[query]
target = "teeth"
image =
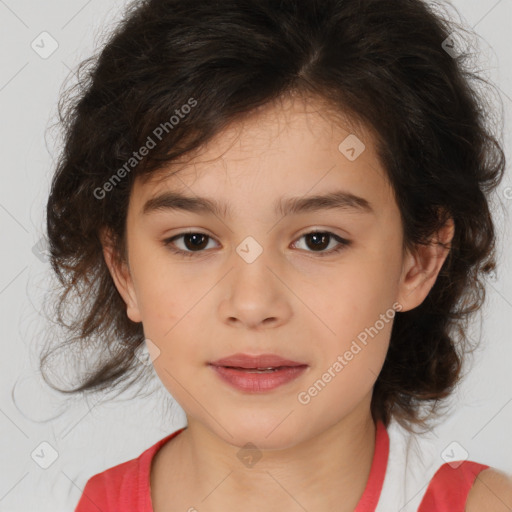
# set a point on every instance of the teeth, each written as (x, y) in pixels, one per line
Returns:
(261, 370)
(258, 370)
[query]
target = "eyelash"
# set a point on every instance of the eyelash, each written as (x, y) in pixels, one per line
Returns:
(343, 243)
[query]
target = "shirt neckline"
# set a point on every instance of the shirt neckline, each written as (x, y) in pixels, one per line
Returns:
(371, 495)
(367, 503)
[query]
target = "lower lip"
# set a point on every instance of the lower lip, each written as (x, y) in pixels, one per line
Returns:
(258, 382)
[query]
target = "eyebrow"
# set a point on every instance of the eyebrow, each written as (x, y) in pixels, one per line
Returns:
(336, 200)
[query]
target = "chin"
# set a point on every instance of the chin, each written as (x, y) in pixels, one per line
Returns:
(266, 433)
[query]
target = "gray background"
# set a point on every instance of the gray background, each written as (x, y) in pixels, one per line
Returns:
(91, 436)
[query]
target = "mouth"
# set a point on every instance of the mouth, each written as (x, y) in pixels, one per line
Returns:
(255, 374)
(261, 362)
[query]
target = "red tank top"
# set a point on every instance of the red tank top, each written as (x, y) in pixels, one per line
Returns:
(126, 487)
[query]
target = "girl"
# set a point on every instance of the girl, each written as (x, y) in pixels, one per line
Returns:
(287, 203)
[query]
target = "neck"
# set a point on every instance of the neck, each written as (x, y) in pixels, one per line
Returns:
(328, 471)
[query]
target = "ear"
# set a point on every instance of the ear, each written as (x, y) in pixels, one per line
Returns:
(422, 266)
(120, 272)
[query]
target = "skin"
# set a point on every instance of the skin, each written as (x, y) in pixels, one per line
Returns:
(289, 301)
(491, 492)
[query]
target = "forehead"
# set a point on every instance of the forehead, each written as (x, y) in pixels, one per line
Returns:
(288, 146)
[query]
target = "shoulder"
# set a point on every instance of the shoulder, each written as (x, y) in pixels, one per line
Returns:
(491, 492)
(119, 487)
(102, 489)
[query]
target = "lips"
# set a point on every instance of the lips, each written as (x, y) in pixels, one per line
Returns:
(259, 362)
(257, 374)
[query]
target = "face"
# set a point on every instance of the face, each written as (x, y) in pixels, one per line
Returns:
(254, 279)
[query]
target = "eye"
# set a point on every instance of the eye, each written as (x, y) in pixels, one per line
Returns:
(196, 242)
(320, 240)
(193, 242)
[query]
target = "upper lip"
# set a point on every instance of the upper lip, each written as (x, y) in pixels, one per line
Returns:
(257, 361)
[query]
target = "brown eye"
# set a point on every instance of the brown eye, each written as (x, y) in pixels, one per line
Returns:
(318, 241)
(192, 243)
(195, 241)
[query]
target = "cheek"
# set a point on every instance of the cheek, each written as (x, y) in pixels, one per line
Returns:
(355, 306)
(350, 354)
(352, 299)
(165, 292)
(174, 304)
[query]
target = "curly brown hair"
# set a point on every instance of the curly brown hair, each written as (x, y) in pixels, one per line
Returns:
(382, 62)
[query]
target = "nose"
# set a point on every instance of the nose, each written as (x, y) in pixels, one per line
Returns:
(256, 295)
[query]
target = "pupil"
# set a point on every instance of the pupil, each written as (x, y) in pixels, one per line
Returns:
(323, 237)
(195, 237)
